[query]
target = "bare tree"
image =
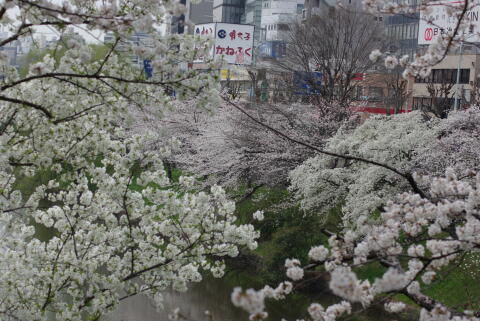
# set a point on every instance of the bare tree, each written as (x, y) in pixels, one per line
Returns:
(474, 99)
(397, 91)
(336, 44)
(232, 88)
(441, 96)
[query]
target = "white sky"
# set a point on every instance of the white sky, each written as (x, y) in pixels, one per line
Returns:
(50, 33)
(90, 37)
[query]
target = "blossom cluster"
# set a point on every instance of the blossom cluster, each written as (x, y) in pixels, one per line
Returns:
(324, 181)
(407, 245)
(88, 215)
(254, 301)
(223, 146)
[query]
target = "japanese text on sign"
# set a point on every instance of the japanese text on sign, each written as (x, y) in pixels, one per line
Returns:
(437, 20)
(234, 42)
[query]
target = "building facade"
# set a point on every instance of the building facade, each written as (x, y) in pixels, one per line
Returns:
(253, 16)
(201, 12)
(402, 34)
(229, 11)
(439, 90)
(276, 17)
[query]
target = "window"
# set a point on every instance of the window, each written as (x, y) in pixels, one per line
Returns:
(375, 93)
(300, 8)
(421, 103)
(441, 104)
(356, 92)
(464, 76)
(448, 76)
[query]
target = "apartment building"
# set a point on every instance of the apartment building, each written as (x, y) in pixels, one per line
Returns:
(440, 89)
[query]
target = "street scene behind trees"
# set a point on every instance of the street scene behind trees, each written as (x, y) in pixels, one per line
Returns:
(237, 160)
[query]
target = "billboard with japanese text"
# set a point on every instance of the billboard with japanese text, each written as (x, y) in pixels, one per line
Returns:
(234, 42)
(437, 19)
(206, 31)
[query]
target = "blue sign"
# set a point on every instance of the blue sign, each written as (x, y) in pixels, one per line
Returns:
(307, 83)
(272, 49)
(221, 33)
(147, 68)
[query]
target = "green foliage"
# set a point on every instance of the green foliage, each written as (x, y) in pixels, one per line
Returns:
(99, 51)
(285, 232)
(459, 284)
(27, 185)
(33, 56)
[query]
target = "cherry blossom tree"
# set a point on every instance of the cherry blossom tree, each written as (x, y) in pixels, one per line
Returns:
(416, 238)
(456, 146)
(115, 225)
(228, 148)
(410, 143)
(418, 233)
(323, 181)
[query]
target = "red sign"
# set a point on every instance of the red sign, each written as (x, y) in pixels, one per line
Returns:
(359, 76)
(428, 35)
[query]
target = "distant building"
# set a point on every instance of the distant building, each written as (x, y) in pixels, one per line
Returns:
(273, 49)
(402, 33)
(253, 16)
(312, 7)
(441, 85)
(197, 13)
(276, 17)
(10, 50)
(229, 11)
(240, 12)
(201, 12)
(137, 39)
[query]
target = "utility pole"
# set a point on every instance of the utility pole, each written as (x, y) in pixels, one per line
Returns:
(457, 86)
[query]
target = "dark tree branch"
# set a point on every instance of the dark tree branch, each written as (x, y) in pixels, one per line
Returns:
(27, 103)
(407, 176)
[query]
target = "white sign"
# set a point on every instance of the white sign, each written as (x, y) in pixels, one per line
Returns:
(437, 20)
(206, 31)
(234, 42)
